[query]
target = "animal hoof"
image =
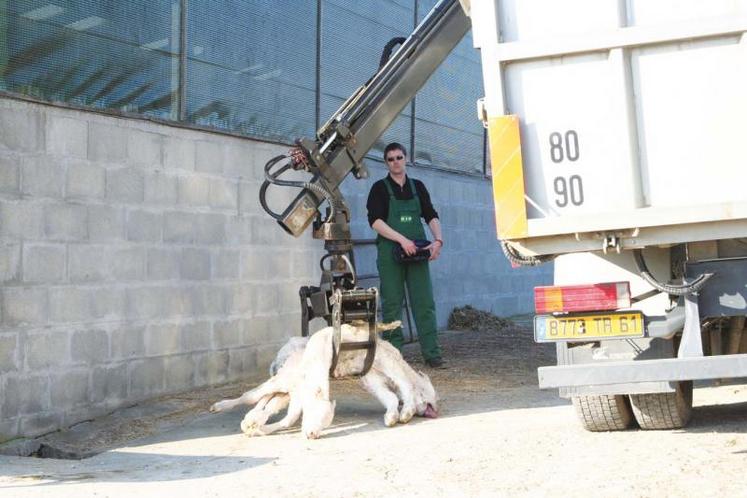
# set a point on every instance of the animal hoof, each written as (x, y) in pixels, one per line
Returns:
(390, 419)
(250, 427)
(406, 415)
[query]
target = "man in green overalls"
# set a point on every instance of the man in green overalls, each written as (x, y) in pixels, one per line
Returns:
(395, 206)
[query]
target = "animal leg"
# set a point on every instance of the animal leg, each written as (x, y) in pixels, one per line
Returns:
(294, 412)
(375, 383)
(405, 391)
(266, 408)
(271, 386)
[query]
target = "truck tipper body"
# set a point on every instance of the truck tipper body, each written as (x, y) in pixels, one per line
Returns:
(616, 147)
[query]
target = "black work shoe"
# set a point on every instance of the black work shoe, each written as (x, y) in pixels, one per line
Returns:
(435, 362)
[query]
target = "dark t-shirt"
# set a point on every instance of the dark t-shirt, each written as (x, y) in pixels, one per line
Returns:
(378, 199)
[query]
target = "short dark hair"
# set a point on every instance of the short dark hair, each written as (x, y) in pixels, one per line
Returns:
(394, 146)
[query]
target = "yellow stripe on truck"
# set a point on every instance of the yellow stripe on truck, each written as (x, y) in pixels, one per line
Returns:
(508, 177)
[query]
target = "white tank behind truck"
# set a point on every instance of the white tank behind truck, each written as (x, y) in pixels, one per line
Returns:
(617, 149)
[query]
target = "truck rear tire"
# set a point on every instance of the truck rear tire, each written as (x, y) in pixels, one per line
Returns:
(603, 412)
(664, 410)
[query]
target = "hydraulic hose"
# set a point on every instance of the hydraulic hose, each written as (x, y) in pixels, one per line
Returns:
(518, 259)
(272, 178)
(387, 52)
(675, 290)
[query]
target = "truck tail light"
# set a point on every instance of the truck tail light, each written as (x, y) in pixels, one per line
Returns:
(592, 297)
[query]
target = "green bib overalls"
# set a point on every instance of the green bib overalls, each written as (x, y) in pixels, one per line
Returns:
(404, 217)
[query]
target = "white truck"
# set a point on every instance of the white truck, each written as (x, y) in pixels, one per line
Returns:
(616, 145)
(614, 129)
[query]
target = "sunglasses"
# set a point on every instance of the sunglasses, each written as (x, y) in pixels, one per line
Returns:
(392, 158)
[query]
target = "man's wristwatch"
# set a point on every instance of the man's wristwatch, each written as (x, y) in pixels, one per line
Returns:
(439, 241)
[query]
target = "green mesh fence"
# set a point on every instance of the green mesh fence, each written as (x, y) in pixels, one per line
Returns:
(269, 69)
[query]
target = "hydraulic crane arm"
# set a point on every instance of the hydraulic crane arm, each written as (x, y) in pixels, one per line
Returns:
(339, 148)
(350, 133)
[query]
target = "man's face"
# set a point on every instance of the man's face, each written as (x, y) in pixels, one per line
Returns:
(395, 161)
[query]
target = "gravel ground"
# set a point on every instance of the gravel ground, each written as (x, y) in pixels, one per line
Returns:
(498, 435)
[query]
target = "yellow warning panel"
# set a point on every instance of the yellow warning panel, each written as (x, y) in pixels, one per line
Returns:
(508, 177)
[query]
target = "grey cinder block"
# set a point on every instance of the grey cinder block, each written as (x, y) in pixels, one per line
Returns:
(21, 129)
(127, 342)
(71, 388)
(179, 153)
(207, 299)
(26, 394)
(225, 263)
(248, 195)
(10, 176)
(239, 230)
(10, 262)
(69, 304)
(66, 136)
(163, 264)
(107, 143)
(145, 148)
(195, 264)
(44, 263)
(223, 194)
(65, 221)
(127, 263)
(42, 176)
(24, 306)
(88, 263)
(194, 190)
(239, 158)
(144, 226)
(241, 298)
(180, 372)
(209, 156)
(146, 377)
(160, 189)
(163, 339)
(40, 423)
(212, 367)
(89, 346)
(125, 185)
(109, 383)
(196, 336)
(227, 334)
(178, 227)
(106, 223)
(85, 180)
(8, 352)
(210, 228)
(46, 349)
(242, 362)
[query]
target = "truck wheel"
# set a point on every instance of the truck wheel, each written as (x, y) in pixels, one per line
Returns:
(603, 412)
(664, 410)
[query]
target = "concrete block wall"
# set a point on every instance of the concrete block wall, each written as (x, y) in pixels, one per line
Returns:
(135, 261)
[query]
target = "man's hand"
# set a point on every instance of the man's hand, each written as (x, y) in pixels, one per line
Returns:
(435, 249)
(408, 246)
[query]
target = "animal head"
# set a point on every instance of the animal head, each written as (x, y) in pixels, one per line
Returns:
(317, 416)
(426, 399)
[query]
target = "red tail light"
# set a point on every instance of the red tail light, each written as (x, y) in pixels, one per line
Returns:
(592, 297)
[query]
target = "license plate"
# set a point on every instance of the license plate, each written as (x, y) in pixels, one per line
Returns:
(588, 327)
